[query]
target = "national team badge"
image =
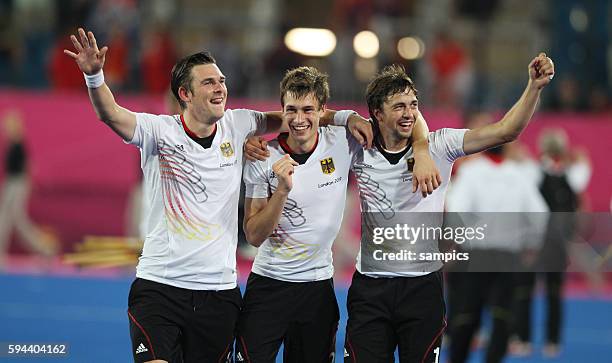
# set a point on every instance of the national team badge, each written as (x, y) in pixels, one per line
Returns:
(410, 163)
(327, 165)
(226, 149)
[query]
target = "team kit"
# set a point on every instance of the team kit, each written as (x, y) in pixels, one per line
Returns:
(185, 304)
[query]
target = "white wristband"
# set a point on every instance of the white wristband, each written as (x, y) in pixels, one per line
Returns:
(341, 117)
(95, 80)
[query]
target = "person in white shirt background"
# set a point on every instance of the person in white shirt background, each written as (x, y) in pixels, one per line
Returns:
(561, 176)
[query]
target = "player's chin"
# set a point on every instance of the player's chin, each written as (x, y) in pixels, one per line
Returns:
(218, 112)
(301, 136)
(405, 134)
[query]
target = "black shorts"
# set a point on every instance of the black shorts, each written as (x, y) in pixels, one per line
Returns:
(181, 325)
(302, 315)
(403, 312)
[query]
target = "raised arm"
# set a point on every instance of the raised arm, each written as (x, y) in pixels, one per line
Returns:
(262, 215)
(541, 72)
(90, 60)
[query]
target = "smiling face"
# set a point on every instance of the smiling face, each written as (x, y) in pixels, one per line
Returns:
(208, 94)
(302, 115)
(397, 116)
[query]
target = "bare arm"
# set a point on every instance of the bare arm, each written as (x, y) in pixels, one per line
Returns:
(256, 148)
(541, 70)
(262, 215)
(425, 175)
(90, 60)
(274, 121)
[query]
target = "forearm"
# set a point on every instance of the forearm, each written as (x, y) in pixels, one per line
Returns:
(275, 123)
(517, 118)
(508, 128)
(420, 138)
(121, 120)
(104, 103)
(260, 226)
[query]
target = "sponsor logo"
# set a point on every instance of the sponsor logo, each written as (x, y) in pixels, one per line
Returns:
(141, 349)
(239, 357)
(180, 147)
(226, 149)
(327, 165)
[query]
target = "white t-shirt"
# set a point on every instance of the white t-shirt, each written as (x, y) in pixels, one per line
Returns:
(299, 250)
(386, 189)
(191, 196)
(500, 190)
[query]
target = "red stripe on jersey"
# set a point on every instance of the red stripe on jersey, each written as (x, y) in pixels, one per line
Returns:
(191, 133)
(282, 141)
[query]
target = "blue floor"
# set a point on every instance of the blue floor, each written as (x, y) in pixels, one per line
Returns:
(90, 316)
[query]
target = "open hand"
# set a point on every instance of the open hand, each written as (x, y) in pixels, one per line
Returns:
(256, 148)
(89, 58)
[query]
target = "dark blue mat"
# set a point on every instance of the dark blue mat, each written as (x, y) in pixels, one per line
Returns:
(90, 315)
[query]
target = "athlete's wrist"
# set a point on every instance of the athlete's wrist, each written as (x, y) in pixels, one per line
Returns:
(421, 148)
(94, 80)
(282, 192)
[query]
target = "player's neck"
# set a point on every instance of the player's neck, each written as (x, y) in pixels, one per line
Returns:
(199, 128)
(391, 143)
(304, 147)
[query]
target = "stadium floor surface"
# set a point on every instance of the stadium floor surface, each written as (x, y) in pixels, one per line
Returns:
(89, 314)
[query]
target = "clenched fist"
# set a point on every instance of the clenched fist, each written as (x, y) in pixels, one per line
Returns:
(541, 71)
(284, 169)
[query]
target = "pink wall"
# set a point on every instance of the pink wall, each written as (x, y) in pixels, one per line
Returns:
(82, 172)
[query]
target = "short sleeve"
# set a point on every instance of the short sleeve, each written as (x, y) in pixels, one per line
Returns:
(249, 122)
(354, 147)
(255, 178)
(146, 132)
(341, 117)
(447, 143)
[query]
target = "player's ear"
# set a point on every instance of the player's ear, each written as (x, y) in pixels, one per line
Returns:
(378, 114)
(184, 94)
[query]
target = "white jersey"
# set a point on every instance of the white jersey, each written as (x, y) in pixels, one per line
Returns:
(386, 188)
(299, 250)
(484, 186)
(191, 194)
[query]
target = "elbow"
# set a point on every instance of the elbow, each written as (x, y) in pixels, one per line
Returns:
(510, 137)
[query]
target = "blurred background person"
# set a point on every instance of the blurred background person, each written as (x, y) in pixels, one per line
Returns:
(562, 175)
(15, 194)
(491, 187)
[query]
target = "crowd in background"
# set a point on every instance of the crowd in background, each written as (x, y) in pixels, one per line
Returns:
(474, 56)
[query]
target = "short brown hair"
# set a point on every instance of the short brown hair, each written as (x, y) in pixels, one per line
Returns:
(302, 81)
(388, 82)
(181, 73)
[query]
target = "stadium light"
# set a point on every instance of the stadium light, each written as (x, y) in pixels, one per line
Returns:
(411, 48)
(366, 44)
(314, 42)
